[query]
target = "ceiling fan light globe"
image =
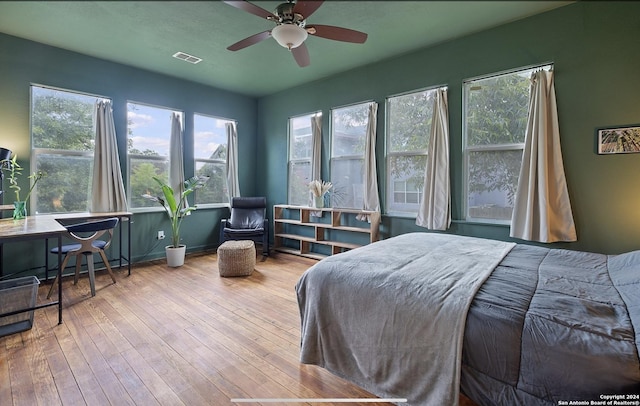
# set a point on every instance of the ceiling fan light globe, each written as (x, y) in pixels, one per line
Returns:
(289, 35)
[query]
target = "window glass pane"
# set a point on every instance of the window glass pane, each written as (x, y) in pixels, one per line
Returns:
(299, 178)
(62, 190)
(149, 130)
(348, 130)
(62, 120)
(496, 110)
(215, 190)
(210, 151)
(409, 125)
(405, 174)
(210, 137)
(348, 189)
(63, 141)
(300, 151)
(493, 179)
(300, 142)
(142, 172)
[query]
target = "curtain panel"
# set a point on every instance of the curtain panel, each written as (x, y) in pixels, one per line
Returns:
(542, 210)
(107, 190)
(316, 155)
(371, 199)
(176, 160)
(233, 185)
(435, 207)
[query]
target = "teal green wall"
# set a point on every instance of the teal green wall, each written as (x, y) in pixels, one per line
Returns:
(24, 62)
(594, 47)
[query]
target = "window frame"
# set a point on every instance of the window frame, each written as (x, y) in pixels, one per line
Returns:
(389, 155)
(337, 158)
(39, 151)
(157, 158)
(212, 161)
(505, 147)
(291, 162)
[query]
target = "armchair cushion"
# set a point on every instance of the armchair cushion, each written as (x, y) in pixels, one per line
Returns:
(247, 212)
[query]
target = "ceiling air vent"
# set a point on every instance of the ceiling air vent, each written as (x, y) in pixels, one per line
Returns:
(186, 57)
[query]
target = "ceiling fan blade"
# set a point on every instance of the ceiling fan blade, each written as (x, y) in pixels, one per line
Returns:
(306, 8)
(337, 33)
(301, 55)
(254, 39)
(252, 8)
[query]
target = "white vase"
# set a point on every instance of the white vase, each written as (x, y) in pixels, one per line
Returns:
(318, 202)
(175, 256)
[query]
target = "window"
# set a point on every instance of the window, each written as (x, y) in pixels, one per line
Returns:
(300, 153)
(408, 133)
(149, 130)
(348, 137)
(495, 120)
(62, 139)
(210, 153)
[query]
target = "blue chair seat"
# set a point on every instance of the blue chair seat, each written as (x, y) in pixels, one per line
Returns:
(99, 244)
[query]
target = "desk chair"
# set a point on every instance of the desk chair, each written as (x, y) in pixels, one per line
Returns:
(87, 243)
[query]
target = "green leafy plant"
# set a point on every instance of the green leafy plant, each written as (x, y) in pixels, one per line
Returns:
(177, 209)
(15, 171)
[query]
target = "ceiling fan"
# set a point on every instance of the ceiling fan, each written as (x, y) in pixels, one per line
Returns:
(291, 28)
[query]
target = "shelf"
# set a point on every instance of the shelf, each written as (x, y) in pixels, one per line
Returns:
(294, 225)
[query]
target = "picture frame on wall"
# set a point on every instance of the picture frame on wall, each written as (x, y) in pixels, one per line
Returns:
(619, 140)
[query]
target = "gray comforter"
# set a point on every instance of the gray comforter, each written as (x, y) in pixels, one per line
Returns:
(546, 326)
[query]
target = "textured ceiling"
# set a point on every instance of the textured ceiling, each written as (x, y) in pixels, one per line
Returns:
(146, 34)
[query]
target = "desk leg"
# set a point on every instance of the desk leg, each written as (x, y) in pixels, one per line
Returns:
(129, 244)
(59, 279)
(120, 244)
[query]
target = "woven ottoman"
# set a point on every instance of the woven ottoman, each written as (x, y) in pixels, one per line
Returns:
(236, 258)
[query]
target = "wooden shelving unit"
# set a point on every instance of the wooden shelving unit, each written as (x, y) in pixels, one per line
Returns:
(318, 233)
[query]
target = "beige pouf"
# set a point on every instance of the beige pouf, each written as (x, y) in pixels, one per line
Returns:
(236, 258)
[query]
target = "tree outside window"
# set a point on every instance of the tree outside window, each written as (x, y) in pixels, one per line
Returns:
(62, 139)
(495, 120)
(210, 152)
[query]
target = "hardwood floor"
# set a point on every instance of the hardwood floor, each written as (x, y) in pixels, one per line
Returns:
(169, 336)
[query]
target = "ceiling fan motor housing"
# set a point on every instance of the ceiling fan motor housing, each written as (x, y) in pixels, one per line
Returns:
(286, 15)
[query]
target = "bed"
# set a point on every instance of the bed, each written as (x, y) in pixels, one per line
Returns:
(423, 316)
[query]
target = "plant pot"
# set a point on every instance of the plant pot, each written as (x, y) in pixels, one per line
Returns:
(19, 210)
(175, 256)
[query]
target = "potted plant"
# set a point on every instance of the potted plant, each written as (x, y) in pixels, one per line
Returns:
(15, 170)
(177, 210)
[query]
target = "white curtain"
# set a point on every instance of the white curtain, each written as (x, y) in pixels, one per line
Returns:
(371, 200)
(435, 207)
(107, 191)
(232, 161)
(316, 152)
(542, 210)
(176, 160)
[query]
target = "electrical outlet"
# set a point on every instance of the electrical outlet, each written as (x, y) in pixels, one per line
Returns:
(160, 235)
